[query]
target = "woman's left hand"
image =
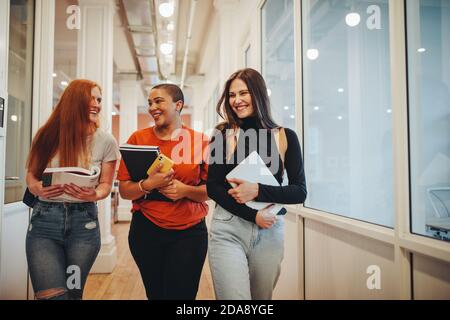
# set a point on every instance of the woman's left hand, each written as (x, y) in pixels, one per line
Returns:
(244, 191)
(176, 190)
(86, 194)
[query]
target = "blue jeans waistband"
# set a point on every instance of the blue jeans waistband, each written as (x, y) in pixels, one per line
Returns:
(70, 205)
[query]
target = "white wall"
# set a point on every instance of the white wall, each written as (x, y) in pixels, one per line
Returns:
(336, 263)
(224, 46)
(431, 278)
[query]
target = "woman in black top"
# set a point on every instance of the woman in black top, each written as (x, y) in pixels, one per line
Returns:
(246, 245)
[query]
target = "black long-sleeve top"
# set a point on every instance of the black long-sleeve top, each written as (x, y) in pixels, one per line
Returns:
(217, 186)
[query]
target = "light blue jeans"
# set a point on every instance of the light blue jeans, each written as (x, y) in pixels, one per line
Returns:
(245, 260)
(62, 238)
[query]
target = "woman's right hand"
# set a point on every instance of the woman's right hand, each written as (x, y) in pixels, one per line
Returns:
(158, 179)
(265, 219)
(46, 192)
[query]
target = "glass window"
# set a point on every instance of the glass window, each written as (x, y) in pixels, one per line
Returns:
(428, 37)
(66, 45)
(278, 66)
(20, 76)
(347, 109)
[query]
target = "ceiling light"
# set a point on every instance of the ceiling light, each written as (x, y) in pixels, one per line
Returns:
(421, 50)
(286, 108)
(54, 75)
(166, 48)
(312, 54)
(340, 118)
(64, 83)
(389, 110)
(14, 118)
(292, 116)
(352, 19)
(114, 114)
(166, 9)
(316, 108)
(340, 90)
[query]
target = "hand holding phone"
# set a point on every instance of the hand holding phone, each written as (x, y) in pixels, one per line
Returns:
(166, 162)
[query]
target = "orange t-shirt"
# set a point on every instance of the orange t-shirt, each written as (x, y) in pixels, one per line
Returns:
(188, 150)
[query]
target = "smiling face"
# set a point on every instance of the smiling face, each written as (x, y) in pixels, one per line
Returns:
(162, 108)
(240, 99)
(95, 106)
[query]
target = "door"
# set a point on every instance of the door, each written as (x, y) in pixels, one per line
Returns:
(15, 144)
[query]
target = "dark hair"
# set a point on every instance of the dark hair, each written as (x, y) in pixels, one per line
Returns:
(260, 100)
(173, 90)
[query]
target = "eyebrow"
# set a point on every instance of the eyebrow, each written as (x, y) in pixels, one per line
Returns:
(243, 90)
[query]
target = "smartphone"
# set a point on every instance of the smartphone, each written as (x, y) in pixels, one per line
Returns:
(166, 162)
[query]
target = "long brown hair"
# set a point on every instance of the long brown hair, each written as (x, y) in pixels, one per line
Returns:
(260, 100)
(66, 131)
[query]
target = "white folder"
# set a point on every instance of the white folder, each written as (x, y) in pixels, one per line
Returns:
(254, 170)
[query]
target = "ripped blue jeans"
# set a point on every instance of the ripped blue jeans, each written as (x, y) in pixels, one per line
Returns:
(62, 243)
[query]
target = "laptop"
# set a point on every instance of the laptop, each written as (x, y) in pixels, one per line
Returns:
(254, 170)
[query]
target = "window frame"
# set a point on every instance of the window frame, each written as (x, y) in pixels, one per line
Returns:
(405, 243)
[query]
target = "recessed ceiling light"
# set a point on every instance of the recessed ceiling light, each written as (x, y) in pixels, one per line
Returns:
(54, 75)
(312, 54)
(340, 118)
(340, 90)
(166, 9)
(166, 48)
(421, 50)
(286, 107)
(316, 108)
(64, 83)
(114, 114)
(14, 118)
(352, 19)
(389, 110)
(292, 116)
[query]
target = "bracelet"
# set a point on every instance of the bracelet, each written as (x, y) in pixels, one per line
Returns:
(142, 189)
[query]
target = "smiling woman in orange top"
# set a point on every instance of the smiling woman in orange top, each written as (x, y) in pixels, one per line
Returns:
(168, 237)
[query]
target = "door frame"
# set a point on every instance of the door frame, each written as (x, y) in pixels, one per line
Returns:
(4, 38)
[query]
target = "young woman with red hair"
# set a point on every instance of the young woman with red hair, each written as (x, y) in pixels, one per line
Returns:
(63, 238)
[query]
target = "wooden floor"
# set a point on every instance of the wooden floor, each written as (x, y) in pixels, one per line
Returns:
(125, 282)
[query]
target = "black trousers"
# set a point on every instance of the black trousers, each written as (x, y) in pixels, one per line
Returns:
(170, 261)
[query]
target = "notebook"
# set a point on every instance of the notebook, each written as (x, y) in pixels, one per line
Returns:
(138, 159)
(254, 170)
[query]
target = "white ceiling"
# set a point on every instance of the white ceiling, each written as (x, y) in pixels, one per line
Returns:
(135, 52)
